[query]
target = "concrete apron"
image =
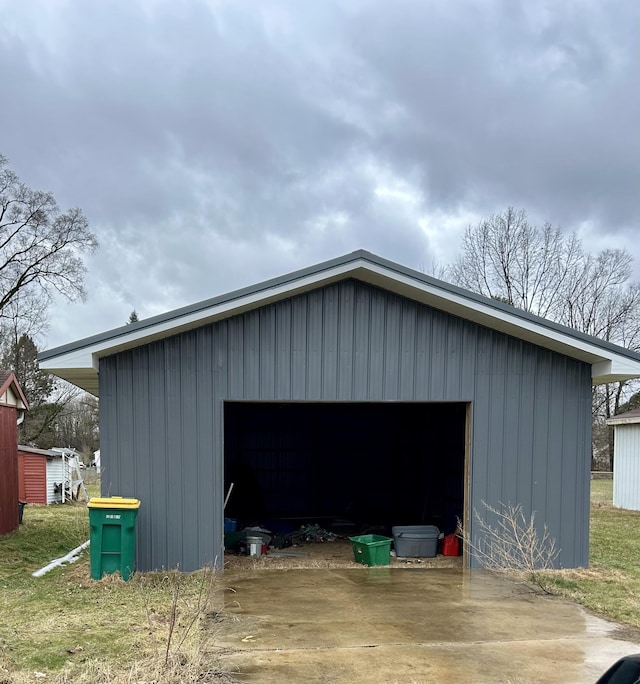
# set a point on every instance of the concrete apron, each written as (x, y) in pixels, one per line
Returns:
(408, 625)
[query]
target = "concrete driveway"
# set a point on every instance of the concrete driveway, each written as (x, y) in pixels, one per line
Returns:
(379, 625)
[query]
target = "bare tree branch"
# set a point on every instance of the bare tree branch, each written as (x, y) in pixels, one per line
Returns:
(41, 248)
(548, 274)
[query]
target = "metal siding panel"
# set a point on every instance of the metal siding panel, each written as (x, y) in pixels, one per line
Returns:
(580, 540)
(299, 348)
(453, 368)
(192, 514)
(480, 475)
(283, 342)
(541, 432)
(174, 486)
(8, 470)
(423, 354)
(155, 509)
(438, 352)
(496, 455)
(525, 426)
(329, 335)
(314, 345)
(346, 348)
(513, 392)
(376, 346)
(207, 487)
(54, 474)
(467, 361)
(34, 472)
(139, 451)
(235, 355)
(555, 445)
(267, 354)
(392, 348)
(251, 357)
(362, 322)
(217, 358)
(108, 386)
(408, 350)
(122, 476)
(479, 472)
(573, 532)
(211, 449)
(22, 495)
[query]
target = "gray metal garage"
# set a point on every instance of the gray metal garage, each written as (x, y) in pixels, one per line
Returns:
(356, 388)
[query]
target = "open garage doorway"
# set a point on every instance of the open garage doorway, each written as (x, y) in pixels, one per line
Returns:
(358, 465)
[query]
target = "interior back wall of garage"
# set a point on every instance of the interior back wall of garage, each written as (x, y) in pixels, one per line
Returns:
(162, 408)
(373, 464)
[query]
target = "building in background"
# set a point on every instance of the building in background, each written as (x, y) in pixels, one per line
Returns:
(13, 405)
(626, 460)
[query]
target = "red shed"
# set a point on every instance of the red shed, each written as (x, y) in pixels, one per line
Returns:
(38, 472)
(13, 404)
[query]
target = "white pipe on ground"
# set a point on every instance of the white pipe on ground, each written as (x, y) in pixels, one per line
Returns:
(71, 557)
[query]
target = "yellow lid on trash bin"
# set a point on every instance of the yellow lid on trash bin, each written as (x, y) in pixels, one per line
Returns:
(113, 502)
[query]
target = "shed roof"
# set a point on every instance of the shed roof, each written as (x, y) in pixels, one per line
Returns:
(78, 361)
(625, 418)
(41, 452)
(11, 393)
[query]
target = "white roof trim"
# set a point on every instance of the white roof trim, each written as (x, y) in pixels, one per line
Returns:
(621, 420)
(79, 363)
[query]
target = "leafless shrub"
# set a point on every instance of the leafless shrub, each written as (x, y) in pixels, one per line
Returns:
(186, 653)
(512, 542)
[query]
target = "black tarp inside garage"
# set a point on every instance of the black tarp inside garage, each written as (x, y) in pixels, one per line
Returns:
(376, 464)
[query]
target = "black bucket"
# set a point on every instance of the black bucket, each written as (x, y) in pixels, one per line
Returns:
(21, 505)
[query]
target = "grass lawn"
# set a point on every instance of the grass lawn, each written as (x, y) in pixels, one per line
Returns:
(70, 628)
(162, 626)
(611, 584)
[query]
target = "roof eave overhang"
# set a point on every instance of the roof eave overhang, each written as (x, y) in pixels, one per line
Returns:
(621, 420)
(78, 363)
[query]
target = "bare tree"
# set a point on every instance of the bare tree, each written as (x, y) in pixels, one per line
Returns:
(41, 248)
(507, 258)
(25, 314)
(76, 424)
(513, 542)
(547, 273)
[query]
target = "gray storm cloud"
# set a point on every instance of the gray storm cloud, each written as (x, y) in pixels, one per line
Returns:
(215, 144)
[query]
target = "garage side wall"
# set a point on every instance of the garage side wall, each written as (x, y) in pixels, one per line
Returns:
(161, 408)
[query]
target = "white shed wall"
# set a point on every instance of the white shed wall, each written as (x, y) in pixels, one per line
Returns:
(55, 474)
(626, 470)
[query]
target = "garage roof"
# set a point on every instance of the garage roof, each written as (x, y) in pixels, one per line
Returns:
(77, 362)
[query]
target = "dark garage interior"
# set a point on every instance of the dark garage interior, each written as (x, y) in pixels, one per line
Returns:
(366, 466)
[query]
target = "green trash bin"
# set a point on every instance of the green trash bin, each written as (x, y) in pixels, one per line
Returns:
(112, 521)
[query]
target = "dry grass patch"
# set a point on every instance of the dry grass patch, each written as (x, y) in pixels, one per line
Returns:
(611, 584)
(66, 628)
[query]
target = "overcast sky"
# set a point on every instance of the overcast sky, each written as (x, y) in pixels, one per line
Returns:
(215, 144)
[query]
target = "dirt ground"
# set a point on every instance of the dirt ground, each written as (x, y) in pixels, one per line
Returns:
(330, 554)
